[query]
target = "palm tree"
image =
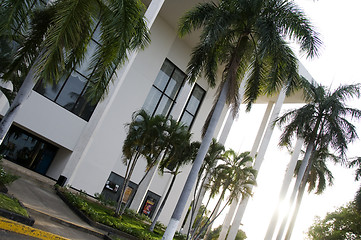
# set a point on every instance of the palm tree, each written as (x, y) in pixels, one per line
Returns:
(234, 175)
(214, 154)
(63, 38)
(183, 152)
(242, 36)
(145, 137)
(323, 124)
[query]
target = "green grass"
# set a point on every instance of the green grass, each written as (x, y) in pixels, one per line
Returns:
(12, 205)
(130, 222)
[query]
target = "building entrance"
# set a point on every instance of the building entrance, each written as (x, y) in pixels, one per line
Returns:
(27, 150)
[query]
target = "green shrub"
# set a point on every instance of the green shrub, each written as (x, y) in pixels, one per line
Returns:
(131, 222)
(6, 178)
(101, 198)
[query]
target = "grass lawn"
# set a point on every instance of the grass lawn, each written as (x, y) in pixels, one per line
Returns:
(132, 223)
(12, 205)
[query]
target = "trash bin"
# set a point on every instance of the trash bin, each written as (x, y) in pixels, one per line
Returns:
(61, 181)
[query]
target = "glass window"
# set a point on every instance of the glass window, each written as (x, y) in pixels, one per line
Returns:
(164, 106)
(50, 90)
(83, 68)
(192, 106)
(163, 76)
(69, 92)
(153, 97)
(164, 92)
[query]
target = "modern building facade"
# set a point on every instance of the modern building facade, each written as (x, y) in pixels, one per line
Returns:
(57, 133)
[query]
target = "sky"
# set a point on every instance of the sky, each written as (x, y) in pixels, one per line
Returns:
(338, 24)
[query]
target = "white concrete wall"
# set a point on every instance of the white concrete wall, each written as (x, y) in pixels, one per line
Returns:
(58, 164)
(104, 154)
(50, 121)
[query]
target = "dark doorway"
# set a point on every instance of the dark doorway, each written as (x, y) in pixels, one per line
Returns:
(27, 150)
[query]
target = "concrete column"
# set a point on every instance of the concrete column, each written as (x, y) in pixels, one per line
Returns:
(228, 219)
(190, 220)
(227, 125)
(232, 210)
(286, 182)
(261, 129)
(258, 162)
(101, 110)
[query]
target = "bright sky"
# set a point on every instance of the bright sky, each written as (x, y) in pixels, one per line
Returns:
(338, 23)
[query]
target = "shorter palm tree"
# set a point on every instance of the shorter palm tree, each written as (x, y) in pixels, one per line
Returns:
(145, 137)
(182, 153)
(233, 175)
(214, 154)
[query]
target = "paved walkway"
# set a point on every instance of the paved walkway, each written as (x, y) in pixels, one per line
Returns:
(51, 214)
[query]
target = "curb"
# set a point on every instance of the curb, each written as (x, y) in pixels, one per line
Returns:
(16, 227)
(70, 224)
(16, 217)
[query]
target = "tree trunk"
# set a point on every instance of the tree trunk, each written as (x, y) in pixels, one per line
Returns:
(228, 219)
(151, 228)
(192, 177)
(209, 227)
(300, 175)
(295, 212)
(197, 202)
(119, 210)
(301, 191)
(193, 230)
(284, 188)
(21, 96)
(143, 187)
(212, 218)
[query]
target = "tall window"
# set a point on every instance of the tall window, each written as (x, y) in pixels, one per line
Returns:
(164, 92)
(69, 91)
(192, 106)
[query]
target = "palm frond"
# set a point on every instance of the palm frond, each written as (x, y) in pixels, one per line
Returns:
(293, 23)
(123, 28)
(71, 29)
(196, 18)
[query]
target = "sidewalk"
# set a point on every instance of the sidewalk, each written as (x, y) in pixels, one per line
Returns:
(51, 214)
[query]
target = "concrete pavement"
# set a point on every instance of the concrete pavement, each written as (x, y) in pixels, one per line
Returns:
(51, 214)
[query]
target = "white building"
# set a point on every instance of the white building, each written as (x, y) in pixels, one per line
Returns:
(58, 134)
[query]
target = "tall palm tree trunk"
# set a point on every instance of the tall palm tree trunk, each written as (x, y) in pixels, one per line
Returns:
(301, 191)
(151, 228)
(197, 202)
(300, 175)
(192, 177)
(284, 188)
(21, 96)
